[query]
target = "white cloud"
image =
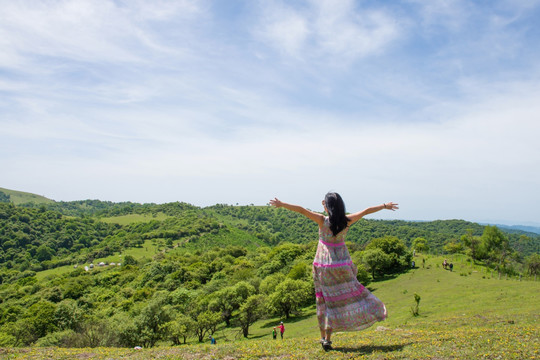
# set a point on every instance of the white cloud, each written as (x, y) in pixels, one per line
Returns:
(284, 28)
(326, 30)
(83, 30)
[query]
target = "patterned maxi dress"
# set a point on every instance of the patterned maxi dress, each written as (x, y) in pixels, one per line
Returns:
(343, 304)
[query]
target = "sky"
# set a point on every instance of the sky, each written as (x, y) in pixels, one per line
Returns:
(434, 105)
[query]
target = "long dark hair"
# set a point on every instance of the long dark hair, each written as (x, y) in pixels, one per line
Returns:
(336, 212)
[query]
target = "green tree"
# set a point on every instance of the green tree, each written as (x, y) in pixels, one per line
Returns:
(496, 246)
(454, 247)
(269, 283)
(362, 275)
(44, 253)
(533, 265)
(41, 316)
(300, 271)
(151, 322)
(288, 296)
(180, 328)
(21, 332)
(67, 315)
(206, 323)
(376, 260)
(472, 242)
(250, 311)
(129, 260)
(229, 299)
(420, 244)
(398, 255)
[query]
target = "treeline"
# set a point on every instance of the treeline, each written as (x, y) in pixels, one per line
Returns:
(273, 226)
(277, 225)
(98, 208)
(34, 237)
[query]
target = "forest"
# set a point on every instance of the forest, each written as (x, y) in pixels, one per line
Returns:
(218, 266)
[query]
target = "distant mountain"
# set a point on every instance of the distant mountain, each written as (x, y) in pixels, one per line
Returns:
(519, 228)
(20, 197)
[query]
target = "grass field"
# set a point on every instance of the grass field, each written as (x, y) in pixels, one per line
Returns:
(148, 250)
(464, 314)
(133, 218)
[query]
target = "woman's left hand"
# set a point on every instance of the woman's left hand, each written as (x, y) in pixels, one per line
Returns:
(276, 202)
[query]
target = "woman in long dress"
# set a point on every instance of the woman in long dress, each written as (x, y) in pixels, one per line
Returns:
(343, 304)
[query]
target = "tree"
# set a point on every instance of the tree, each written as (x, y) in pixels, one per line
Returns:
(206, 323)
(472, 242)
(269, 283)
(376, 260)
(180, 328)
(398, 255)
(229, 299)
(362, 275)
(496, 247)
(129, 260)
(250, 311)
(453, 247)
(44, 253)
(533, 265)
(151, 322)
(299, 271)
(42, 318)
(68, 315)
(420, 244)
(21, 332)
(289, 296)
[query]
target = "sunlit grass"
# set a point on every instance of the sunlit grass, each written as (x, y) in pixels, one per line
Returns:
(148, 250)
(133, 218)
(452, 338)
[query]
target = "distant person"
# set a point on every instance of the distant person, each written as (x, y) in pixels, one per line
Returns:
(445, 264)
(212, 340)
(274, 333)
(451, 267)
(343, 304)
(281, 329)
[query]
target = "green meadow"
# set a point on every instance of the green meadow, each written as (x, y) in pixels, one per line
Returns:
(134, 218)
(467, 313)
(147, 251)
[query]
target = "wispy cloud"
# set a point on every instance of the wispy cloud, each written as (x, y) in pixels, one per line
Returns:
(326, 30)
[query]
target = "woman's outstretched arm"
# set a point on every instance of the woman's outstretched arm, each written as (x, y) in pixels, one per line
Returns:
(370, 210)
(318, 218)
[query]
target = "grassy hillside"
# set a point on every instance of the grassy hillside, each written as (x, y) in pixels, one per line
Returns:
(20, 197)
(464, 314)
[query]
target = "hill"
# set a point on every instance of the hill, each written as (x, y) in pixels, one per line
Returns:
(20, 197)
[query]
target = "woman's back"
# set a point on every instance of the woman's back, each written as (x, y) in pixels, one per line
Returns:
(327, 236)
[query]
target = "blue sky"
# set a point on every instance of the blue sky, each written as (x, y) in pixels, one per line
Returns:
(431, 104)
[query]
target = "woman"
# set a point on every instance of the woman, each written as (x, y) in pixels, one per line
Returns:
(343, 304)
